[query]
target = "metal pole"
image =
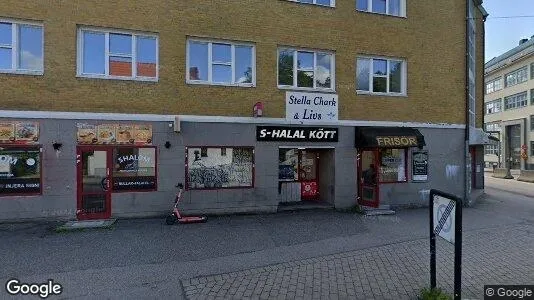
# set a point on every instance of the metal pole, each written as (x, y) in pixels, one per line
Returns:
(432, 241)
(458, 250)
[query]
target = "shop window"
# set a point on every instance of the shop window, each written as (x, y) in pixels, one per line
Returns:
(216, 171)
(288, 160)
(392, 165)
(20, 171)
(134, 169)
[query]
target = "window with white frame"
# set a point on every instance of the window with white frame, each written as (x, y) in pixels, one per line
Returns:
(331, 3)
(516, 77)
(532, 96)
(491, 149)
(532, 123)
(21, 47)
(532, 71)
(117, 54)
(493, 126)
(493, 107)
(306, 69)
(493, 86)
(515, 101)
(381, 75)
(388, 7)
(220, 62)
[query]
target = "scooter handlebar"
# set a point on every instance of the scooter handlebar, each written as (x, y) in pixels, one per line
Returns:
(180, 186)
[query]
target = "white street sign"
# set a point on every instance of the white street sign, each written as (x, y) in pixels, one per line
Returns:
(444, 217)
(311, 108)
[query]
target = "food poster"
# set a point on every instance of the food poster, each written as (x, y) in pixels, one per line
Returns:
(26, 131)
(87, 134)
(7, 132)
(143, 134)
(107, 133)
(125, 134)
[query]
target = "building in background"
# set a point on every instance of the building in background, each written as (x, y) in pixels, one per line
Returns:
(509, 107)
(105, 108)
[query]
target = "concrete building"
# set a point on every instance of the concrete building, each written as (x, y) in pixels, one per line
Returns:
(252, 104)
(509, 107)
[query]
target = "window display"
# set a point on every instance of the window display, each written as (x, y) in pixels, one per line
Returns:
(134, 168)
(392, 165)
(20, 170)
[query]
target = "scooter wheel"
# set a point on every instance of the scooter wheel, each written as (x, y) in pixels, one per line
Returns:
(171, 219)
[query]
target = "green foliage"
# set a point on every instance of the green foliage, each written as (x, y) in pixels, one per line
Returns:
(434, 294)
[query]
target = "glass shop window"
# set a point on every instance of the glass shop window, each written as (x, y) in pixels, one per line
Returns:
(288, 160)
(392, 165)
(134, 169)
(20, 171)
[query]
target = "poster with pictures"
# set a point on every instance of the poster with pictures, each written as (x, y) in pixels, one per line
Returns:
(107, 133)
(26, 131)
(7, 132)
(143, 134)
(86, 134)
(420, 165)
(125, 134)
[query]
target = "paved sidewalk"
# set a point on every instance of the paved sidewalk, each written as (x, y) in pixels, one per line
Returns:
(395, 271)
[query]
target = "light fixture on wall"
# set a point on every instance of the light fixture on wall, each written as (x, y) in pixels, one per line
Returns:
(57, 146)
(167, 144)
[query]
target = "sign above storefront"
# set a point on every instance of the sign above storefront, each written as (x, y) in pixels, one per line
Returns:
(117, 134)
(401, 141)
(19, 132)
(296, 134)
(311, 108)
(388, 137)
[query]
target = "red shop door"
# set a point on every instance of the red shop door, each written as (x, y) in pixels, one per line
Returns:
(367, 161)
(94, 183)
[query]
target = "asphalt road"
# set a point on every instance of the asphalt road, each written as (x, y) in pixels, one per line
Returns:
(145, 259)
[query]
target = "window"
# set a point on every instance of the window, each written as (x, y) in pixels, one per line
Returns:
(388, 7)
(117, 55)
(380, 76)
(134, 169)
(20, 171)
(392, 165)
(532, 71)
(532, 148)
(515, 101)
(532, 122)
(216, 171)
(222, 63)
(493, 107)
(493, 85)
(331, 3)
(21, 48)
(491, 149)
(494, 126)
(305, 69)
(532, 97)
(516, 77)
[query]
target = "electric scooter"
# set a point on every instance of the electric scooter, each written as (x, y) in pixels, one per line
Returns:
(175, 215)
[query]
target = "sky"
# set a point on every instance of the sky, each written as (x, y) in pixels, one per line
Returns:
(503, 34)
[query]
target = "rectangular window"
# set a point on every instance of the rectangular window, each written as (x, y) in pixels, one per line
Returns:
(117, 55)
(134, 169)
(494, 126)
(392, 165)
(21, 48)
(380, 76)
(387, 7)
(305, 69)
(532, 97)
(20, 171)
(516, 77)
(331, 3)
(531, 148)
(532, 71)
(235, 169)
(491, 149)
(532, 122)
(493, 107)
(221, 63)
(515, 101)
(493, 86)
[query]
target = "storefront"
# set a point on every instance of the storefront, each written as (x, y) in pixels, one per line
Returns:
(382, 156)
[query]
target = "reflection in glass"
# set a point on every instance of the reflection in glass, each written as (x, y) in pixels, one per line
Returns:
(222, 74)
(94, 53)
(323, 72)
(379, 84)
(5, 58)
(305, 60)
(120, 66)
(146, 56)
(380, 66)
(323, 2)
(243, 64)
(305, 69)
(362, 75)
(94, 167)
(120, 44)
(285, 67)
(395, 71)
(198, 61)
(379, 6)
(221, 53)
(288, 160)
(5, 34)
(361, 5)
(392, 165)
(394, 7)
(30, 47)
(133, 162)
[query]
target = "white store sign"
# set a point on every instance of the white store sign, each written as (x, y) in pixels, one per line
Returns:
(311, 108)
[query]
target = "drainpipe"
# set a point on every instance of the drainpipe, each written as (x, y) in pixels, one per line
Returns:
(466, 130)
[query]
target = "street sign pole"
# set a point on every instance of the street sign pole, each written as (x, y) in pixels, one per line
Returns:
(435, 229)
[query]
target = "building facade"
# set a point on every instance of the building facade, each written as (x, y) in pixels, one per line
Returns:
(509, 107)
(252, 105)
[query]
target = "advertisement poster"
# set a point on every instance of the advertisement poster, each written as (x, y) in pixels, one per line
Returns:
(143, 134)
(420, 165)
(120, 134)
(20, 171)
(19, 132)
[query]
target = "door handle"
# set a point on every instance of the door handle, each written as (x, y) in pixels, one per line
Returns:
(105, 184)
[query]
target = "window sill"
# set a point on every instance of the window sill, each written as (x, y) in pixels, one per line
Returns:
(312, 4)
(243, 85)
(381, 94)
(22, 72)
(304, 89)
(141, 79)
(381, 14)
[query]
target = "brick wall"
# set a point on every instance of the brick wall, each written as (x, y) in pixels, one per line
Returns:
(431, 39)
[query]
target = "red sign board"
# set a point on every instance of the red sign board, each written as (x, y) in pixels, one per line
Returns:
(308, 189)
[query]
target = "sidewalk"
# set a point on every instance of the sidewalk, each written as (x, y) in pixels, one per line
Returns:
(509, 185)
